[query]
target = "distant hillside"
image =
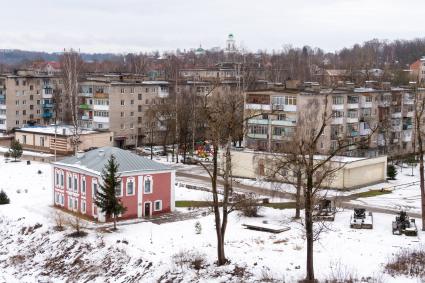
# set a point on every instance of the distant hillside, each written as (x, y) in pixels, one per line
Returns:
(15, 57)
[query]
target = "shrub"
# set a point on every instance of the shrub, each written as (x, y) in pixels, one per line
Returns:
(410, 262)
(391, 172)
(191, 259)
(248, 204)
(6, 155)
(4, 199)
(78, 225)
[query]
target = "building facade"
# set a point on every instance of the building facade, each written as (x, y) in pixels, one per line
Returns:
(61, 139)
(147, 187)
(353, 113)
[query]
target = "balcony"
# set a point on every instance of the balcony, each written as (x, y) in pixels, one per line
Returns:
(100, 95)
(47, 115)
(279, 138)
(86, 106)
(353, 133)
(85, 94)
(290, 108)
(352, 147)
(47, 94)
(2, 106)
(366, 104)
(47, 105)
(163, 93)
(337, 106)
(396, 115)
(2, 97)
(352, 119)
(384, 104)
(99, 119)
(85, 118)
(257, 136)
(409, 114)
(407, 127)
(287, 122)
(337, 121)
(407, 136)
(263, 107)
(352, 105)
(396, 128)
(258, 121)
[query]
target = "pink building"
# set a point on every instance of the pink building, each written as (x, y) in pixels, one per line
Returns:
(147, 187)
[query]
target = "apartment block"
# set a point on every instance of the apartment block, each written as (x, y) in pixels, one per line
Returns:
(353, 113)
(26, 98)
(119, 106)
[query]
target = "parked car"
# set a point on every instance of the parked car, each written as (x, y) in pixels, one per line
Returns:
(189, 160)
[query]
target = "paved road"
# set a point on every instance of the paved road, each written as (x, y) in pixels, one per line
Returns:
(342, 202)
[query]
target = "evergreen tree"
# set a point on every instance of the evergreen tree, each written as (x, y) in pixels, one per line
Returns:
(106, 198)
(16, 149)
(3, 198)
(391, 172)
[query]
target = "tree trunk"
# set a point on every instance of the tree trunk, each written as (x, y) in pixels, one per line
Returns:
(421, 178)
(298, 196)
(115, 222)
(309, 226)
(221, 258)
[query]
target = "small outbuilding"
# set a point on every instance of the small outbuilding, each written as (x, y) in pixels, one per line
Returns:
(353, 172)
(61, 138)
(147, 187)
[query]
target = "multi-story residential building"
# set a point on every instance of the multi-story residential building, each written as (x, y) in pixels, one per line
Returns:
(353, 113)
(119, 106)
(422, 70)
(26, 98)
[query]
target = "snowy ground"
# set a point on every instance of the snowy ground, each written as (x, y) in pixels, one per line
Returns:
(403, 196)
(143, 252)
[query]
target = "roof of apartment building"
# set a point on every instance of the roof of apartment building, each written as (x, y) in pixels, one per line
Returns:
(63, 130)
(95, 161)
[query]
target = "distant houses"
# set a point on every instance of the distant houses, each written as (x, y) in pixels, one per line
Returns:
(147, 187)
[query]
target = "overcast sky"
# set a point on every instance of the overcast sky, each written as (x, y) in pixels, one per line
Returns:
(145, 25)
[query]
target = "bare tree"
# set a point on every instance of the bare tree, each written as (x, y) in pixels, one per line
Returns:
(72, 68)
(220, 109)
(317, 173)
(419, 129)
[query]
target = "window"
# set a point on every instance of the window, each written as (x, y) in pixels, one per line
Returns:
(157, 205)
(132, 102)
(69, 182)
(140, 96)
(337, 100)
(62, 179)
(57, 197)
(368, 98)
(122, 114)
(83, 185)
(24, 139)
(132, 90)
(83, 206)
(57, 178)
(76, 183)
(94, 189)
(118, 190)
(75, 204)
(70, 202)
(148, 185)
(122, 102)
(42, 141)
(130, 186)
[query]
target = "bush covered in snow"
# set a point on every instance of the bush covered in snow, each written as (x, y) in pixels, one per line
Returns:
(4, 199)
